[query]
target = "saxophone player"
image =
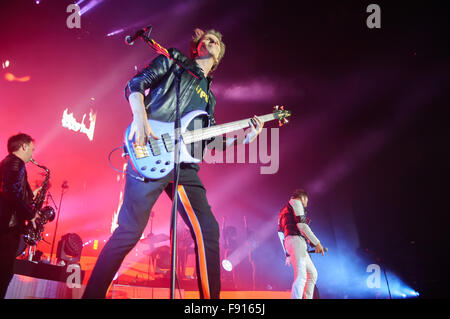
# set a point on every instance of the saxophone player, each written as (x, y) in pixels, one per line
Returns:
(16, 198)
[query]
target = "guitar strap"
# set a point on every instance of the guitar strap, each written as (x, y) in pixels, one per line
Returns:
(209, 108)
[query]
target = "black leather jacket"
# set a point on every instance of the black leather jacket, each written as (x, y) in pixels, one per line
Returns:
(15, 193)
(159, 77)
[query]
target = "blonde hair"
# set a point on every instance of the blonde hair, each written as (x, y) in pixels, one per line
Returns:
(198, 35)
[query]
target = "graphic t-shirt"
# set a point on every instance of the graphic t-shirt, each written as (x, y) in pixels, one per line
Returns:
(199, 102)
(199, 99)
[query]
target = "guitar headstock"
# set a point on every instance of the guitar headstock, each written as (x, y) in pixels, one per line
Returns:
(281, 114)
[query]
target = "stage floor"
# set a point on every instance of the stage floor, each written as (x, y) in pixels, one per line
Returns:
(137, 292)
(24, 287)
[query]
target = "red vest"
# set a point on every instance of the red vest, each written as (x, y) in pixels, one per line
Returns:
(287, 223)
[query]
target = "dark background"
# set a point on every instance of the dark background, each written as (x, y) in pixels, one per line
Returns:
(368, 136)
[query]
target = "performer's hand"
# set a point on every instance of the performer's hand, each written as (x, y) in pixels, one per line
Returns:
(33, 221)
(288, 261)
(141, 130)
(36, 191)
(250, 137)
(319, 249)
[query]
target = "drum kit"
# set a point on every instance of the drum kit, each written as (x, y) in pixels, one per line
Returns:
(158, 252)
(153, 241)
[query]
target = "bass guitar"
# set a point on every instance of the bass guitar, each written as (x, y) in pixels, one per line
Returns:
(156, 159)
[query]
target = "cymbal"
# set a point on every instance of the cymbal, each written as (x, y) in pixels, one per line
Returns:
(154, 238)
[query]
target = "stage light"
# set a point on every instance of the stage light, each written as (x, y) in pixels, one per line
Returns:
(69, 248)
(399, 289)
(89, 6)
(227, 265)
(68, 121)
(11, 77)
(114, 32)
(409, 293)
(5, 64)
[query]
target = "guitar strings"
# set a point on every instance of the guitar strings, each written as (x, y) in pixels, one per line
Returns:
(189, 136)
(212, 131)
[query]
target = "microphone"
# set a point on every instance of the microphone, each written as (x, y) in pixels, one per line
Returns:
(129, 40)
(325, 249)
(64, 185)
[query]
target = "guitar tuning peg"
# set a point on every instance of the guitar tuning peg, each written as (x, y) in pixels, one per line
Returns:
(282, 122)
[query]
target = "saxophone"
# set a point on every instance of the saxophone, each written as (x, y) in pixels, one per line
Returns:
(33, 235)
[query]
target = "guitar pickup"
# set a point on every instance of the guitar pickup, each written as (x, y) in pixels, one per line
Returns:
(140, 151)
(154, 147)
(167, 142)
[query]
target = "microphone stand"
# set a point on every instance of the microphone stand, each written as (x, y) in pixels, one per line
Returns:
(49, 196)
(63, 187)
(176, 172)
(176, 176)
(387, 282)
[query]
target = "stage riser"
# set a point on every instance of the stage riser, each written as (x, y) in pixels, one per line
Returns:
(24, 287)
(136, 292)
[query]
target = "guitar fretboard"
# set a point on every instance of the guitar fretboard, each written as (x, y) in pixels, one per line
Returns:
(210, 132)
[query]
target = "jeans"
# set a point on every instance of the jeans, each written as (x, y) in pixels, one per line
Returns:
(305, 273)
(9, 243)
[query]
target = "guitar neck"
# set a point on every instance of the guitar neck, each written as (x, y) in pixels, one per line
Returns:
(210, 132)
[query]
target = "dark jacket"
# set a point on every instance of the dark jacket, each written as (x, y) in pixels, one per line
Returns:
(15, 193)
(159, 77)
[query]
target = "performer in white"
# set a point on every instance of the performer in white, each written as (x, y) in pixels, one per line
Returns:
(295, 234)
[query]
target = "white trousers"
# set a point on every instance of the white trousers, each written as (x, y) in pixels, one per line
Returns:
(305, 273)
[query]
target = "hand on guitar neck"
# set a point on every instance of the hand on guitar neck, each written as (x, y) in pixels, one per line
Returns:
(256, 125)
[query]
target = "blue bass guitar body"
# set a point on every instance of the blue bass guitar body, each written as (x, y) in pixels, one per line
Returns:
(157, 158)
